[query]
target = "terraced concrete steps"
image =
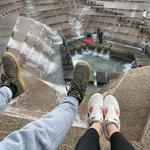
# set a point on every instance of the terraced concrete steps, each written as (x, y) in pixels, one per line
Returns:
(133, 96)
(10, 6)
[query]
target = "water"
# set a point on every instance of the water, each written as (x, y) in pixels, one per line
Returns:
(40, 50)
(103, 61)
(77, 21)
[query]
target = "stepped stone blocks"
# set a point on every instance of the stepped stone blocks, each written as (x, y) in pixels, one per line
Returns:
(10, 7)
(133, 96)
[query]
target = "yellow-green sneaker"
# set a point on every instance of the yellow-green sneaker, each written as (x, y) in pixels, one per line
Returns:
(77, 86)
(11, 74)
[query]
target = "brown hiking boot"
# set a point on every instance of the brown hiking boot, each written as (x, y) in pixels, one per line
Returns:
(11, 74)
(77, 86)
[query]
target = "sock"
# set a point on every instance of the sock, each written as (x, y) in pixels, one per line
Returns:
(13, 88)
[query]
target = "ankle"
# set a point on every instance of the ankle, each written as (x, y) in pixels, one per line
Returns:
(111, 129)
(13, 88)
(97, 126)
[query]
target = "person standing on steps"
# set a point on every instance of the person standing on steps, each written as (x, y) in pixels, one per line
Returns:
(68, 57)
(143, 46)
(100, 36)
(94, 37)
(144, 14)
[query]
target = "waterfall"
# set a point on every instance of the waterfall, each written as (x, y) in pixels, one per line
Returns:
(101, 53)
(107, 55)
(36, 44)
(76, 53)
(77, 20)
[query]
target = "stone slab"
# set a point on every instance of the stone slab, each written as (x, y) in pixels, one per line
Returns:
(133, 96)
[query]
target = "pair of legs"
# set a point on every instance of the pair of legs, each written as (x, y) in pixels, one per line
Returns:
(49, 131)
(103, 114)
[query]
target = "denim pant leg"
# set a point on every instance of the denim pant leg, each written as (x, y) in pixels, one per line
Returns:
(46, 133)
(5, 97)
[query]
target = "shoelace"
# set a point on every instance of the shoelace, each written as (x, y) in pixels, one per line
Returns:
(8, 80)
(112, 111)
(74, 86)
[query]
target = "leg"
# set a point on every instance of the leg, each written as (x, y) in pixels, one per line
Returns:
(50, 130)
(112, 125)
(45, 133)
(90, 140)
(5, 97)
(12, 83)
(117, 140)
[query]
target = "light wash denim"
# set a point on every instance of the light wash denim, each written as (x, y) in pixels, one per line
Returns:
(5, 97)
(46, 133)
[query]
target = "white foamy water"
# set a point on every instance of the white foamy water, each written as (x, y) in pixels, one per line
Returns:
(103, 61)
(38, 34)
(127, 67)
(14, 44)
(77, 23)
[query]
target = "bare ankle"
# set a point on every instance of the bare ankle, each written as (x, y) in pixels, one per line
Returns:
(112, 128)
(97, 126)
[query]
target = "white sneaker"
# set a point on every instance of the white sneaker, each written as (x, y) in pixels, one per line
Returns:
(95, 108)
(111, 112)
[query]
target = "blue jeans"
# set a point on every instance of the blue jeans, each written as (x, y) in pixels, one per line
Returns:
(5, 97)
(46, 133)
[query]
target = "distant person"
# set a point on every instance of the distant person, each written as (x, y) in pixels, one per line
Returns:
(94, 37)
(100, 36)
(143, 46)
(68, 57)
(64, 42)
(89, 36)
(144, 14)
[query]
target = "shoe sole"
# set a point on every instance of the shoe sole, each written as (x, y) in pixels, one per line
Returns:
(12, 58)
(83, 63)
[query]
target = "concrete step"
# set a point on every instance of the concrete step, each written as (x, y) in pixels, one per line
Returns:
(134, 102)
(11, 8)
(8, 2)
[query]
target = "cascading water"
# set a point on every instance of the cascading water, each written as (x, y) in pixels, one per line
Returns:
(103, 61)
(39, 47)
(77, 21)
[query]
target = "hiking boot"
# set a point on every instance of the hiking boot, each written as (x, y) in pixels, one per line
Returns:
(95, 109)
(77, 86)
(11, 76)
(111, 113)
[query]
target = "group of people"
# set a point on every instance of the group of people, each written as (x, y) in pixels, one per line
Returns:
(49, 131)
(98, 36)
